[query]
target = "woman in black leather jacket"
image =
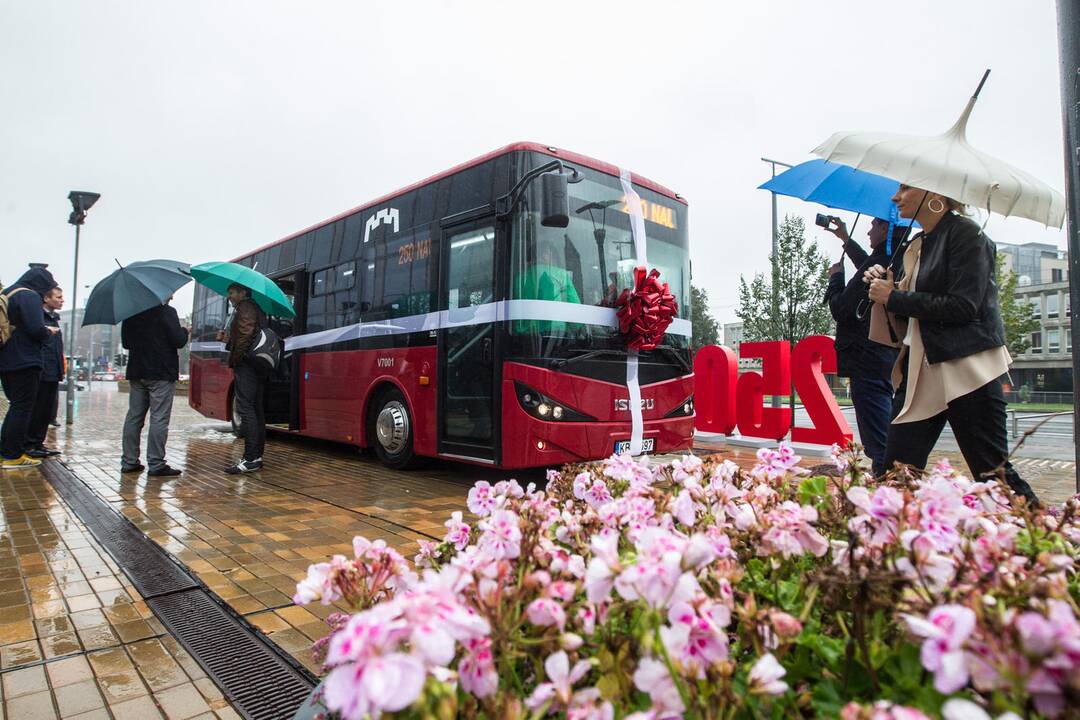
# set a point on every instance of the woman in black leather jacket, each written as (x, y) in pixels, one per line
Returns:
(953, 354)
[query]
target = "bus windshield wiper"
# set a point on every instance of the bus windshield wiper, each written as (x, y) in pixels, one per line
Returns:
(585, 355)
(674, 352)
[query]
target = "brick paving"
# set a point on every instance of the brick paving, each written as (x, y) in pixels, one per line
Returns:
(250, 538)
(76, 639)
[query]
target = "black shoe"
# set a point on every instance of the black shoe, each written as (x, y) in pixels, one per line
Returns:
(55, 423)
(132, 468)
(37, 453)
(48, 451)
(244, 466)
(164, 471)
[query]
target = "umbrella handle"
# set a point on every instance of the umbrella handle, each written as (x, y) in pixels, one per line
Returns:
(981, 83)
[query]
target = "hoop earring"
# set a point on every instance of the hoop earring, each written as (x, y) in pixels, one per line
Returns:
(931, 208)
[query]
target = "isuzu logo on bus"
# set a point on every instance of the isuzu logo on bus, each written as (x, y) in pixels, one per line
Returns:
(386, 216)
(623, 404)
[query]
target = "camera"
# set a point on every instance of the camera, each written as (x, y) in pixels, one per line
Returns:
(824, 220)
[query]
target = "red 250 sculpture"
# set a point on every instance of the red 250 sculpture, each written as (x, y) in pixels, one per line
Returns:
(725, 400)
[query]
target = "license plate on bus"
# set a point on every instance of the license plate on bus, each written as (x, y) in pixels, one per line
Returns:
(622, 446)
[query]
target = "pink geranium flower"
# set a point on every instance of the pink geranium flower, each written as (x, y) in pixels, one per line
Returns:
(561, 678)
(789, 531)
(381, 684)
(765, 676)
(481, 500)
(457, 532)
(652, 678)
(501, 535)
(696, 638)
(945, 630)
(604, 566)
(545, 611)
(476, 671)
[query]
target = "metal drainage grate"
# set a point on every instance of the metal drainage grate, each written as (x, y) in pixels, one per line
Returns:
(151, 570)
(258, 678)
(252, 676)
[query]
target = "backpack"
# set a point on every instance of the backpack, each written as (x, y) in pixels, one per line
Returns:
(6, 328)
(267, 350)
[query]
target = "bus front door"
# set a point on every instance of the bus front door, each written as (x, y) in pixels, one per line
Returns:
(283, 387)
(468, 404)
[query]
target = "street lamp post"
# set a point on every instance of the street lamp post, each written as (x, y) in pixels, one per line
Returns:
(81, 202)
(1068, 15)
(775, 251)
(90, 356)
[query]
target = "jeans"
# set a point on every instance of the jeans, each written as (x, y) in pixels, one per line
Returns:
(20, 388)
(44, 412)
(978, 424)
(248, 387)
(157, 397)
(872, 398)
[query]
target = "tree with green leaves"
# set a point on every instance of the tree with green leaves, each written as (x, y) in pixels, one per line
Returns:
(790, 305)
(1016, 315)
(706, 329)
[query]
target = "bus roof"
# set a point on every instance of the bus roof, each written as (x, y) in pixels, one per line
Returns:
(570, 157)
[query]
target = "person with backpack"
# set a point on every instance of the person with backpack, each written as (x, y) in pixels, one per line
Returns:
(249, 376)
(23, 334)
(153, 338)
(52, 372)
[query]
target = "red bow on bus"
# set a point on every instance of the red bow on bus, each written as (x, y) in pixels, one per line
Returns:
(646, 311)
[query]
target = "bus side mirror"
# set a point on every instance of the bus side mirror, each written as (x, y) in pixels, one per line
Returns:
(554, 201)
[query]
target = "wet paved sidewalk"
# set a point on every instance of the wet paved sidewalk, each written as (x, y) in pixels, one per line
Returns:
(248, 538)
(76, 639)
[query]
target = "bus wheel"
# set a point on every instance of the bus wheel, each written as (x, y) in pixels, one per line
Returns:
(237, 425)
(391, 429)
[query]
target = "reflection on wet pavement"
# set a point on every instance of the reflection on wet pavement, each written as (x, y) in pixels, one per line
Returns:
(76, 639)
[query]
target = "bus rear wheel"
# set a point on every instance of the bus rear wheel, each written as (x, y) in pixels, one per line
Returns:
(237, 424)
(391, 429)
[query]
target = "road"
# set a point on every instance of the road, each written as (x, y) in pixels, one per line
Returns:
(1052, 441)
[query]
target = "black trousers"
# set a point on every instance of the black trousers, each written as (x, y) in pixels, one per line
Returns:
(249, 386)
(44, 412)
(20, 388)
(978, 424)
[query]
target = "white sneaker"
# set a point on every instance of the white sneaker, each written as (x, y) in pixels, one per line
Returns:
(244, 466)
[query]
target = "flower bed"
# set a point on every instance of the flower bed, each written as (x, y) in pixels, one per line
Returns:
(627, 589)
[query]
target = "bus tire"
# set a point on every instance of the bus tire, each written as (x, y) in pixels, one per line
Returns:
(390, 427)
(234, 417)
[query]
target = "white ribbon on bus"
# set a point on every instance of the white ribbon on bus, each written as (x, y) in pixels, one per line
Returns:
(550, 310)
(637, 229)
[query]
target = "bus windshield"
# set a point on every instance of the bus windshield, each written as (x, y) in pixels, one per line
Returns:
(590, 262)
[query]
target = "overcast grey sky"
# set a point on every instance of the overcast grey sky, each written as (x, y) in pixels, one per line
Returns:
(211, 128)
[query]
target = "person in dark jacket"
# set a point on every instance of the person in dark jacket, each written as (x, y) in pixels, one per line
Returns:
(953, 353)
(153, 338)
(866, 363)
(52, 372)
(20, 362)
(249, 382)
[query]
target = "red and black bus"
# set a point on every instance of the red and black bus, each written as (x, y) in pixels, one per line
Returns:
(471, 316)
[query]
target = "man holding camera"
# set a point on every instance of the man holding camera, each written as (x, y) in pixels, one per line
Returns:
(867, 364)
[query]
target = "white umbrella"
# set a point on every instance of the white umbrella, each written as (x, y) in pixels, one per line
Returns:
(949, 165)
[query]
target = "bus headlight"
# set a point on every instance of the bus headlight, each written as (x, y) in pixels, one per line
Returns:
(683, 409)
(542, 407)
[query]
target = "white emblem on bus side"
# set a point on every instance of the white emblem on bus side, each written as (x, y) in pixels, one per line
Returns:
(386, 216)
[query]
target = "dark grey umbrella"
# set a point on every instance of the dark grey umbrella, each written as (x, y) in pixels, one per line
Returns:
(134, 288)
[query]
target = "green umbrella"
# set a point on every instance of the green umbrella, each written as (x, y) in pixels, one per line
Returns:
(218, 276)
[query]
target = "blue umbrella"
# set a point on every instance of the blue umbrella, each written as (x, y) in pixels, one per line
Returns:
(134, 288)
(841, 187)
